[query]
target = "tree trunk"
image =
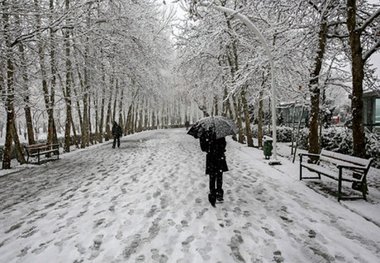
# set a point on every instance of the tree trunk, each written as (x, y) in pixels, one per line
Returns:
(85, 122)
(140, 112)
(260, 117)
(227, 105)
(102, 105)
(115, 100)
(96, 108)
(128, 126)
(154, 120)
(52, 132)
(85, 136)
(146, 114)
(108, 116)
(215, 106)
(133, 119)
(48, 96)
(121, 108)
(89, 125)
(74, 133)
(238, 110)
(27, 110)
(67, 93)
(79, 112)
(18, 147)
(248, 130)
(136, 118)
(7, 152)
(314, 88)
(357, 81)
(11, 134)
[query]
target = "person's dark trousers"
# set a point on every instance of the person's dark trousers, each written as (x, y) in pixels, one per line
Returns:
(116, 139)
(216, 178)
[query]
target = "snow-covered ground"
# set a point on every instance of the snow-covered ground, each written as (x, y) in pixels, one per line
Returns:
(147, 202)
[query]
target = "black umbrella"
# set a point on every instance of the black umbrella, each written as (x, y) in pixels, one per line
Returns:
(222, 126)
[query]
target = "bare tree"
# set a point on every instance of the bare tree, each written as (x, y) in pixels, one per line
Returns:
(357, 26)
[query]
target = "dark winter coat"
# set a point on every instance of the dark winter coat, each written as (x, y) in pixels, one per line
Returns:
(215, 158)
(116, 130)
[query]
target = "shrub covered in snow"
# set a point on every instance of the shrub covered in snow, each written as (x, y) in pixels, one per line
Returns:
(373, 147)
(284, 134)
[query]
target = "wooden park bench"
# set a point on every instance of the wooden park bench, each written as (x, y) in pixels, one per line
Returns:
(341, 168)
(42, 149)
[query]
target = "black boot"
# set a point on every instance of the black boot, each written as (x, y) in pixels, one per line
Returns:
(212, 198)
(219, 195)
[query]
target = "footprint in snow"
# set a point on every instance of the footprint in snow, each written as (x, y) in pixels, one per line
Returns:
(277, 257)
(204, 252)
(312, 233)
(99, 222)
(132, 248)
(201, 213)
(287, 220)
(156, 256)
(164, 202)
(152, 211)
(268, 231)
(236, 240)
(247, 225)
(140, 258)
(96, 247)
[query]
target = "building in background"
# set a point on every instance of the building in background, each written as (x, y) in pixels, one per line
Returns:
(371, 110)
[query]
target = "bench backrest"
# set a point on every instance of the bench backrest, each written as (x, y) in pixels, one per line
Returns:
(34, 148)
(31, 146)
(338, 157)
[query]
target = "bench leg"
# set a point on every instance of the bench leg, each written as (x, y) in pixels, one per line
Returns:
(364, 188)
(340, 184)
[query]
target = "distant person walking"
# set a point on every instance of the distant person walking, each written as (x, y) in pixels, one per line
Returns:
(215, 164)
(117, 132)
(187, 125)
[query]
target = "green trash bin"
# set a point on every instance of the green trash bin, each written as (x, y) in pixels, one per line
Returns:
(268, 146)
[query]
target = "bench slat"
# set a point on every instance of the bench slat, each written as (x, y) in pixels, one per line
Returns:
(328, 172)
(345, 158)
(46, 152)
(342, 163)
(320, 169)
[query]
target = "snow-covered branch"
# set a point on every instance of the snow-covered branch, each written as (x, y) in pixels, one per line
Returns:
(374, 49)
(369, 21)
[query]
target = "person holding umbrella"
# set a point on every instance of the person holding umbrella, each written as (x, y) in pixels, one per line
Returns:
(215, 164)
(211, 132)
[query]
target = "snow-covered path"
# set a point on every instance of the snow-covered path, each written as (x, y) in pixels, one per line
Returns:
(147, 202)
